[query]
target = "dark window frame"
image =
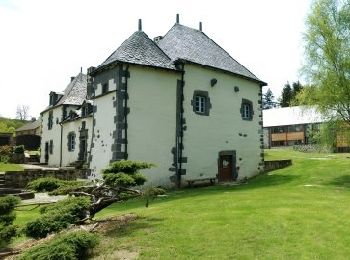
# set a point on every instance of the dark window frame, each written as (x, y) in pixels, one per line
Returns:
(105, 88)
(204, 95)
(50, 120)
(51, 147)
(71, 144)
(244, 105)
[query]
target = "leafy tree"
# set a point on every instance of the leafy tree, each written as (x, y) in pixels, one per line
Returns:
(327, 53)
(268, 100)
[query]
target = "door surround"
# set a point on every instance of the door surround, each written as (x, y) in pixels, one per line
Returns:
(232, 154)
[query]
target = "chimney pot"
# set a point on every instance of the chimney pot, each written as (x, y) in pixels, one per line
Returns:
(72, 78)
(140, 25)
(177, 18)
(200, 26)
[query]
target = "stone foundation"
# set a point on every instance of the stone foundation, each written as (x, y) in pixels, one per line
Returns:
(274, 165)
(19, 179)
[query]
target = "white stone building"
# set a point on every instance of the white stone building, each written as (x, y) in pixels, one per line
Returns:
(179, 101)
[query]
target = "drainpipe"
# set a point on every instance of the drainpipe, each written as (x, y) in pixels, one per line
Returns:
(179, 138)
(126, 72)
(61, 144)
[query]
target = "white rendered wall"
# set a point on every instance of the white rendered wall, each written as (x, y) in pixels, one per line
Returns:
(206, 136)
(69, 157)
(152, 121)
(101, 150)
(53, 134)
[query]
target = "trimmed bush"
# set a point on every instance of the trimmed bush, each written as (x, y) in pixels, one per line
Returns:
(7, 216)
(53, 185)
(73, 245)
(19, 149)
(56, 217)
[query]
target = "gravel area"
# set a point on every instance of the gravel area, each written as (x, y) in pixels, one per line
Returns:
(44, 197)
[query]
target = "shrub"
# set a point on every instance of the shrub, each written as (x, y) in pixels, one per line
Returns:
(73, 245)
(58, 216)
(44, 184)
(5, 153)
(19, 149)
(53, 185)
(7, 230)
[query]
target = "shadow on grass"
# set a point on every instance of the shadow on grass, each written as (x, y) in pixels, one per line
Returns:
(140, 223)
(340, 181)
(260, 182)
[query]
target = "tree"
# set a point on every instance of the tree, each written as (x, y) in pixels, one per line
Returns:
(327, 59)
(268, 100)
(22, 112)
(286, 96)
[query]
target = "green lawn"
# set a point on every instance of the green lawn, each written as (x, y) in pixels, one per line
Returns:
(10, 167)
(300, 212)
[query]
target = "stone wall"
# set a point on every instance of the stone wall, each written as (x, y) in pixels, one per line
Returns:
(277, 164)
(19, 179)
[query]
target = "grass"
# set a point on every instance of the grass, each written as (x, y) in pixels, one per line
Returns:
(300, 212)
(10, 167)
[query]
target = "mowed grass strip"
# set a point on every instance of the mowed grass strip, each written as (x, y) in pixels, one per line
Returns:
(10, 167)
(300, 212)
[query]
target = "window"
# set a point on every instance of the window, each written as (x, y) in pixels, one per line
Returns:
(71, 141)
(104, 88)
(50, 120)
(247, 109)
(51, 147)
(201, 102)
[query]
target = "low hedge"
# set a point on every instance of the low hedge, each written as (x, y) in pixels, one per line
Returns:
(68, 246)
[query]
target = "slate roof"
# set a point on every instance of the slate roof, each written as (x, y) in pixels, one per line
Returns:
(192, 45)
(75, 92)
(29, 126)
(291, 116)
(139, 49)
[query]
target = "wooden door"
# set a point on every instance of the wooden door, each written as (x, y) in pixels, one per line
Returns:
(225, 168)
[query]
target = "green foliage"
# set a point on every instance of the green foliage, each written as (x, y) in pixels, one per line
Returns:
(5, 153)
(327, 66)
(7, 216)
(8, 125)
(127, 166)
(268, 100)
(53, 185)
(73, 245)
(18, 149)
(58, 216)
(125, 173)
(289, 93)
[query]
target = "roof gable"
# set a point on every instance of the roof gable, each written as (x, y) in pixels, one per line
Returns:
(75, 92)
(139, 49)
(185, 43)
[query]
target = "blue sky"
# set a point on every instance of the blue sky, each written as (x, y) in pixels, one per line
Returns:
(43, 42)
